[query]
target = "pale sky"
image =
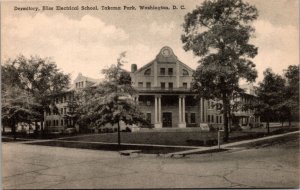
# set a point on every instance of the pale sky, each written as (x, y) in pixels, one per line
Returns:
(88, 41)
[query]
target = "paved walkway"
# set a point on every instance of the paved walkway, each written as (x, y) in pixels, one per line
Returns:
(203, 149)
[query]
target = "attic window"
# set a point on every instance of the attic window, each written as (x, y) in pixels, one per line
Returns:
(185, 72)
(147, 72)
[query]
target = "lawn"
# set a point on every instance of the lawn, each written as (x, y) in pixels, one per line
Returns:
(189, 138)
(157, 138)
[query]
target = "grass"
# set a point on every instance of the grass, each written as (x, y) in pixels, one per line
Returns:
(154, 138)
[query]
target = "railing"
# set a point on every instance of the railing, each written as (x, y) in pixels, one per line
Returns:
(181, 89)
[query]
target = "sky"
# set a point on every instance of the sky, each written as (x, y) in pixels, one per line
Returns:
(88, 41)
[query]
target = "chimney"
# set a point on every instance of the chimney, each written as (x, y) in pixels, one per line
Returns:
(133, 68)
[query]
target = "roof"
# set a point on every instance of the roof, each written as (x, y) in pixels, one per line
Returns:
(162, 58)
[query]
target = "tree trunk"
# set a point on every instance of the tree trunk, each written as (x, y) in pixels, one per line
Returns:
(119, 134)
(36, 128)
(13, 128)
(268, 125)
(290, 118)
(226, 118)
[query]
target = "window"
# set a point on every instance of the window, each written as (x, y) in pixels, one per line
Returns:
(148, 117)
(162, 71)
(170, 71)
(217, 119)
(212, 118)
(61, 110)
(184, 85)
(193, 117)
(221, 119)
(208, 118)
(65, 110)
(163, 85)
(148, 85)
(185, 72)
(147, 72)
(170, 85)
(140, 84)
(62, 122)
(186, 117)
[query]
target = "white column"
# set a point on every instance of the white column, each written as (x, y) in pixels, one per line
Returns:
(183, 109)
(159, 109)
(179, 103)
(155, 110)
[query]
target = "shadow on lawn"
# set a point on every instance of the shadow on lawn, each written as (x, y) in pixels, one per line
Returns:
(111, 147)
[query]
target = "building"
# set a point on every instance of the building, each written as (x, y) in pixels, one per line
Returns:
(59, 117)
(164, 95)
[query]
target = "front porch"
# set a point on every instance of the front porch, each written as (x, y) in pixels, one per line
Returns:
(170, 110)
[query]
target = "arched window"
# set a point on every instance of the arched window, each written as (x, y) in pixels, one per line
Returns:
(185, 72)
(147, 72)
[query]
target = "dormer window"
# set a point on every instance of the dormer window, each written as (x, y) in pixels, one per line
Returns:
(185, 72)
(147, 72)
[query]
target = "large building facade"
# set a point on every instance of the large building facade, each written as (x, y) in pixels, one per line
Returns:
(164, 96)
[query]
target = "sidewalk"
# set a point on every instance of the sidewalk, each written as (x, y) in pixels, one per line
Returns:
(203, 149)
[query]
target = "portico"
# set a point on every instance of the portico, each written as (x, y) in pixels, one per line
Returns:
(167, 110)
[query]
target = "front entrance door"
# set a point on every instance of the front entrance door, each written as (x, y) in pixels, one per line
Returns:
(167, 119)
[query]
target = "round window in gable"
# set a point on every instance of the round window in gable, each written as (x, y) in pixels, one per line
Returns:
(185, 72)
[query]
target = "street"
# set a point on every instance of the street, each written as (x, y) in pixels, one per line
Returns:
(32, 166)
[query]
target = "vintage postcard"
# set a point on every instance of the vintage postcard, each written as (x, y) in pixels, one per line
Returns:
(118, 94)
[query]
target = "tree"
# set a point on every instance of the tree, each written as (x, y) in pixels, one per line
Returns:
(288, 107)
(219, 31)
(270, 94)
(112, 100)
(17, 106)
(37, 77)
(291, 95)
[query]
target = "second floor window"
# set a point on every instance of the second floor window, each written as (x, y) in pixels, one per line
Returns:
(170, 71)
(163, 85)
(184, 85)
(170, 85)
(148, 85)
(140, 84)
(162, 71)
